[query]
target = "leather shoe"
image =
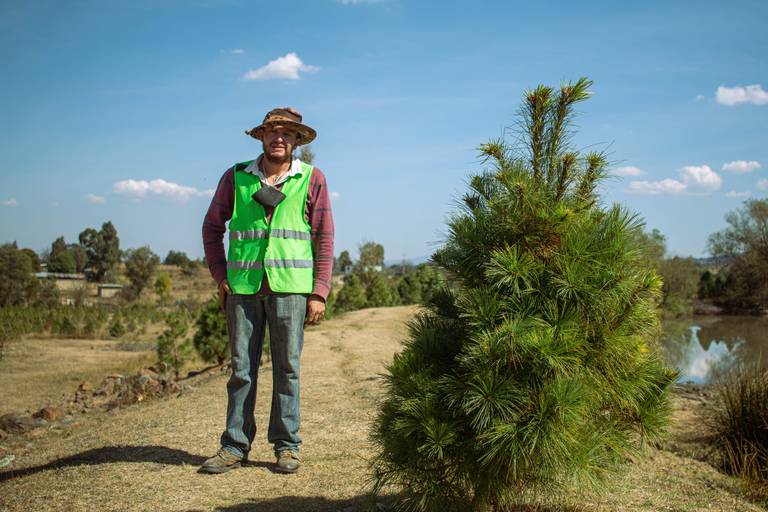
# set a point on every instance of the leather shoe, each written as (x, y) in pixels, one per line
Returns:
(288, 461)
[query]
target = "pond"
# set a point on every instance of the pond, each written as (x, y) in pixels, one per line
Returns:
(702, 345)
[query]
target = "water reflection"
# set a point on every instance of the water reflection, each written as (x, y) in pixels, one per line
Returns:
(702, 346)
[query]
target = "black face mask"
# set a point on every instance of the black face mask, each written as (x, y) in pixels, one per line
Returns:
(268, 196)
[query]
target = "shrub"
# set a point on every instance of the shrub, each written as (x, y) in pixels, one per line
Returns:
(210, 339)
(533, 371)
(351, 296)
(117, 328)
(378, 293)
(163, 287)
(741, 422)
(173, 349)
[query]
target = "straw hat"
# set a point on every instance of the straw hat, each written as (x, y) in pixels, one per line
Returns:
(284, 116)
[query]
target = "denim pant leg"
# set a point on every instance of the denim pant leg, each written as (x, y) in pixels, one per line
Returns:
(285, 314)
(246, 320)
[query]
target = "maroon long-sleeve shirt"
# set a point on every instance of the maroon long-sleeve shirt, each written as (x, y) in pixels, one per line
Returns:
(318, 215)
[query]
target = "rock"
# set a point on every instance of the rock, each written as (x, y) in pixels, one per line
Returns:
(16, 423)
(6, 460)
(40, 422)
(85, 386)
(3, 434)
(49, 413)
(115, 376)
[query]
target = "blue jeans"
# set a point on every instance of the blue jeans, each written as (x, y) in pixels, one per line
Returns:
(247, 317)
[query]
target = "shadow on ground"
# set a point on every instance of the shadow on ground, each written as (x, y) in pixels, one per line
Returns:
(108, 454)
(362, 503)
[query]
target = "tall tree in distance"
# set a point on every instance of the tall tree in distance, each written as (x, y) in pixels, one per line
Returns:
(344, 262)
(102, 248)
(306, 155)
(536, 368)
(140, 265)
(60, 259)
(744, 244)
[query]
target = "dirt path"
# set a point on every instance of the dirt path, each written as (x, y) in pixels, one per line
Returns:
(146, 456)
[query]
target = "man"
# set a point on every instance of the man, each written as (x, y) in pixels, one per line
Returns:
(277, 272)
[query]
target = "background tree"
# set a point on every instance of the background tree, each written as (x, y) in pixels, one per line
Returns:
(140, 265)
(163, 286)
(681, 276)
(173, 349)
(344, 262)
(371, 257)
(103, 250)
(306, 154)
(378, 293)
(744, 244)
(18, 284)
(351, 296)
(211, 340)
(60, 259)
(79, 256)
(177, 258)
(533, 370)
(33, 258)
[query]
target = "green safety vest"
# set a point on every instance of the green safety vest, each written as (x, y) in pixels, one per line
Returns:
(281, 248)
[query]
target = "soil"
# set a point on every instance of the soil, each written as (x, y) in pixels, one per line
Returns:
(146, 456)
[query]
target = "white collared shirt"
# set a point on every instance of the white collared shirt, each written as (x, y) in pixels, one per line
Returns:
(253, 168)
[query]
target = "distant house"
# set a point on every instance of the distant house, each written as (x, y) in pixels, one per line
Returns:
(63, 281)
(107, 290)
(67, 284)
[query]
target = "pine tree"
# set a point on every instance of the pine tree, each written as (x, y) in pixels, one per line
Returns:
(173, 349)
(351, 296)
(211, 340)
(533, 370)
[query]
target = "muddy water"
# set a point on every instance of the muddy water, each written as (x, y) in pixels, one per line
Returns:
(704, 345)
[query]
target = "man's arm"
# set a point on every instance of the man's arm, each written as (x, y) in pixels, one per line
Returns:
(214, 226)
(320, 219)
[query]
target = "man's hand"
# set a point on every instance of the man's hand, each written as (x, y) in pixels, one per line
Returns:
(224, 290)
(315, 309)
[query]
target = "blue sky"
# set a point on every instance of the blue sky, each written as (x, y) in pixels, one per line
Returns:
(131, 111)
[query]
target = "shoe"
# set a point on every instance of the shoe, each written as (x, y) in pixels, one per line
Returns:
(288, 461)
(224, 460)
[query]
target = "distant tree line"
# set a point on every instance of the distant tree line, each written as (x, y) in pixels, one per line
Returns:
(737, 281)
(97, 255)
(368, 283)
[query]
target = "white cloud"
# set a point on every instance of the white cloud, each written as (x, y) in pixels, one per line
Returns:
(9, 202)
(700, 97)
(335, 195)
(733, 193)
(287, 67)
(753, 94)
(762, 184)
(629, 171)
(667, 186)
(93, 198)
(237, 51)
(694, 179)
(139, 189)
(741, 166)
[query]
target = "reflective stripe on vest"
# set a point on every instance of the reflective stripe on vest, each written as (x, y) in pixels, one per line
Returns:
(282, 249)
(250, 234)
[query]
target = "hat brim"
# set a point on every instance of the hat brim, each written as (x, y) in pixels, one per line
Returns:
(306, 134)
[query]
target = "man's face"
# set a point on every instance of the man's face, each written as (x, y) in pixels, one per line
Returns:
(278, 143)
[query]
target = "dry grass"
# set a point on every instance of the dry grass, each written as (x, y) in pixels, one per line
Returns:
(39, 372)
(146, 456)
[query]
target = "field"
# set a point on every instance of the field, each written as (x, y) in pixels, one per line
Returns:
(146, 456)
